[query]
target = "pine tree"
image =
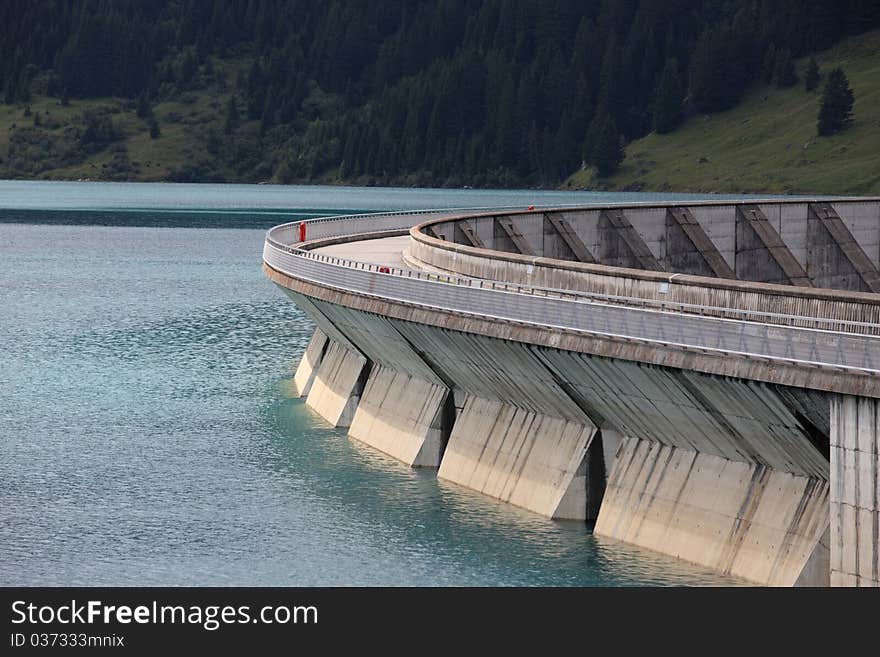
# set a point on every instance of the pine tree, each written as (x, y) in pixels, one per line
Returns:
(188, 67)
(812, 75)
(769, 67)
(668, 98)
(232, 117)
(784, 74)
(144, 110)
(835, 109)
(608, 153)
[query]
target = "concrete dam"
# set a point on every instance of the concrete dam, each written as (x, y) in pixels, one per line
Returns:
(701, 379)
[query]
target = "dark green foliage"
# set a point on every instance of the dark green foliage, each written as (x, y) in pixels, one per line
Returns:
(768, 70)
(232, 117)
(98, 130)
(812, 75)
(188, 68)
(784, 74)
(835, 108)
(32, 150)
(668, 98)
(718, 77)
(144, 108)
(477, 92)
(154, 128)
(607, 152)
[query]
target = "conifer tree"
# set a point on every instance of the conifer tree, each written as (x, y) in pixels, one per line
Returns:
(668, 98)
(144, 110)
(835, 108)
(812, 75)
(608, 153)
(769, 67)
(784, 74)
(232, 117)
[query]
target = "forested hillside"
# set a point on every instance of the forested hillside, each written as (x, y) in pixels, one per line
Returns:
(768, 142)
(430, 92)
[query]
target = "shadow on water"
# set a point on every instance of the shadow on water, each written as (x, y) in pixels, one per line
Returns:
(244, 218)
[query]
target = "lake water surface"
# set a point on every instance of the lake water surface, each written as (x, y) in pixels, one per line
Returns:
(146, 432)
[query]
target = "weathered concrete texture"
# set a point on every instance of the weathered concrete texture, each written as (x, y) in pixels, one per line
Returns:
(720, 294)
(401, 416)
(740, 519)
(524, 458)
(622, 245)
(508, 237)
(377, 339)
(817, 570)
(561, 241)
(464, 234)
(729, 418)
(834, 258)
(791, 374)
(689, 250)
(307, 305)
(381, 251)
(862, 218)
(490, 368)
(337, 385)
(308, 364)
(761, 255)
(855, 491)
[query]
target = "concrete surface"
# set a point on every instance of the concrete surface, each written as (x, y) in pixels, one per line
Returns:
(530, 460)
(383, 251)
(736, 518)
(855, 491)
(335, 390)
(401, 416)
(753, 467)
(309, 363)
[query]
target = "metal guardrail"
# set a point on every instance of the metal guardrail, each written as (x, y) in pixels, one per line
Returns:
(324, 227)
(642, 320)
(383, 222)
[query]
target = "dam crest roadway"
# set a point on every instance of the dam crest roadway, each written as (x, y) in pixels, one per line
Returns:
(702, 379)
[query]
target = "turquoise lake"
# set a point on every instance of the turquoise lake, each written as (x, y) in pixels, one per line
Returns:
(146, 432)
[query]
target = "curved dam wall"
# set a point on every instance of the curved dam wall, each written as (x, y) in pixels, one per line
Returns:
(766, 471)
(714, 256)
(825, 244)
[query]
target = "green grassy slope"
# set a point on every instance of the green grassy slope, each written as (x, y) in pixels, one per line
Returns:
(184, 121)
(767, 143)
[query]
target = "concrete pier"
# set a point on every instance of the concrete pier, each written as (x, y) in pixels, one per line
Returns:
(336, 388)
(309, 363)
(681, 374)
(855, 491)
(530, 460)
(402, 416)
(737, 518)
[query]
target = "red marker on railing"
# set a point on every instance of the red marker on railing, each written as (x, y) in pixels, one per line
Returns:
(302, 231)
(531, 207)
(384, 270)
